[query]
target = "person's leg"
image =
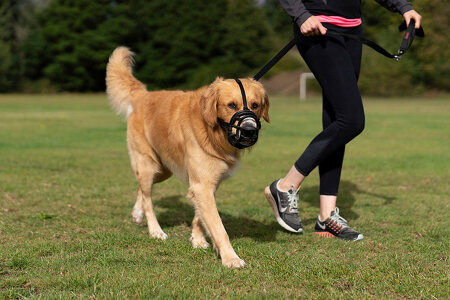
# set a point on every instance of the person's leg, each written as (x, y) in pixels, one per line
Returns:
(330, 168)
(327, 205)
(292, 178)
(329, 223)
(332, 65)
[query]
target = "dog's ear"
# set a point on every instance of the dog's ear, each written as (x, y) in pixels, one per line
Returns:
(265, 113)
(208, 103)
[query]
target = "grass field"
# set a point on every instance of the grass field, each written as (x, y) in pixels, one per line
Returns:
(66, 193)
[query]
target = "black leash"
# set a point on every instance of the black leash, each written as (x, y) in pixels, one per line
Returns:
(407, 40)
(277, 57)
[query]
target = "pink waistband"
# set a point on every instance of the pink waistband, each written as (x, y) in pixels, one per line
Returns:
(339, 21)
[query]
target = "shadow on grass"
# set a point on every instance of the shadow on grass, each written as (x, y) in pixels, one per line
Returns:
(178, 212)
(346, 200)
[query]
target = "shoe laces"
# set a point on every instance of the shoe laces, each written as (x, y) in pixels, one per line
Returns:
(293, 198)
(338, 219)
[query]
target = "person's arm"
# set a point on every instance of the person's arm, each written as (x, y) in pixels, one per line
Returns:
(309, 25)
(296, 9)
(403, 7)
(400, 6)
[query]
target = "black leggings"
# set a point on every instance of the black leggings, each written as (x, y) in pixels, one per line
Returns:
(335, 62)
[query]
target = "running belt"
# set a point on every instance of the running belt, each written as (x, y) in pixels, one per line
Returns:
(339, 21)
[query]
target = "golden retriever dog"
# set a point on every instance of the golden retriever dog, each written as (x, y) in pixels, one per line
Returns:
(177, 132)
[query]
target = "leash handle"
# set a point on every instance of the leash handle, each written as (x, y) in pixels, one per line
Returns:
(408, 38)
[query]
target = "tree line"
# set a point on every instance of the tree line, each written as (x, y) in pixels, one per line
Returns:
(64, 45)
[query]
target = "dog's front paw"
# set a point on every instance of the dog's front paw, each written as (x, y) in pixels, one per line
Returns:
(199, 242)
(138, 215)
(160, 235)
(233, 263)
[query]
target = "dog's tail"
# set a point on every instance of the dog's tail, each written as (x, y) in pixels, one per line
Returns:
(121, 86)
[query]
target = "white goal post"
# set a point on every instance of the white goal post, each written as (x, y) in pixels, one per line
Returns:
(303, 78)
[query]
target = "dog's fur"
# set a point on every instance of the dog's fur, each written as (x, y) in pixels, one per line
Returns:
(176, 132)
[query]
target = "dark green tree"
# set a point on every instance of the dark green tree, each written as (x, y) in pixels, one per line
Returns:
(6, 45)
(278, 19)
(176, 38)
(246, 41)
(432, 54)
(188, 43)
(425, 66)
(179, 43)
(79, 35)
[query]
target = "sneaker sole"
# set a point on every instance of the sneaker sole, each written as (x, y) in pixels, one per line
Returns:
(330, 235)
(273, 204)
(325, 234)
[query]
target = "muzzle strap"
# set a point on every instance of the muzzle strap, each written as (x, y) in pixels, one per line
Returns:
(239, 134)
(244, 98)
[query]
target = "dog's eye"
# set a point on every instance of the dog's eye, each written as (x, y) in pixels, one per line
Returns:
(255, 105)
(232, 105)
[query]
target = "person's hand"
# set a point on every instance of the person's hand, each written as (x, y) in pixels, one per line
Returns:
(412, 14)
(312, 26)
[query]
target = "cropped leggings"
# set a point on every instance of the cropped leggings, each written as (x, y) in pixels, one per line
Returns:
(335, 62)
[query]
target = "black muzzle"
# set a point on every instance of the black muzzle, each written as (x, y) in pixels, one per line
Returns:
(244, 125)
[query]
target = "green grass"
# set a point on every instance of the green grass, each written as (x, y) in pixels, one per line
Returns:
(66, 193)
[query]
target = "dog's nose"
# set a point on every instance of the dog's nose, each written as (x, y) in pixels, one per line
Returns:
(249, 124)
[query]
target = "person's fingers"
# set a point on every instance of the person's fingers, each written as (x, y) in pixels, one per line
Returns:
(308, 29)
(318, 31)
(316, 27)
(312, 27)
(322, 29)
(319, 28)
(407, 19)
(304, 29)
(307, 32)
(418, 19)
(412, 14)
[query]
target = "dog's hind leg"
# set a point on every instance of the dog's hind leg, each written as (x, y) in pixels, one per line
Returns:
(146, 173)
(198, 237)
(138, 209)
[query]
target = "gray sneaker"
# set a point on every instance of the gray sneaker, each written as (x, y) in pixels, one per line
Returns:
(336, 227)
(285, 207)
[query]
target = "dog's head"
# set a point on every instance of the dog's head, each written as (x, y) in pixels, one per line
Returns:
(223, 98)
(222, 104)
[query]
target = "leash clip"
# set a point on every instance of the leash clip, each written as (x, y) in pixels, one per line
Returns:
(398, 56)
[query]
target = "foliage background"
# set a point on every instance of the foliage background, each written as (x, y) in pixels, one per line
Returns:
(63, 45)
